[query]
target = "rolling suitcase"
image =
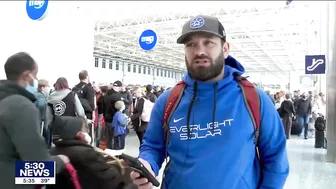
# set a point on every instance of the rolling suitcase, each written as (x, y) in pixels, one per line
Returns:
(320, 134)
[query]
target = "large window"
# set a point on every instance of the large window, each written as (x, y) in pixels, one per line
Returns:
(104, 63)
(134, 68)
(96, 62)
(161, 73)
(144, 70)
(110, 64)
(149, 71)
(117, 65)
(157, 71)
(129, 67)
(139, 70)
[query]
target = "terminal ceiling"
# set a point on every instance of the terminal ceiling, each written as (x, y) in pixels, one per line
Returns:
(264, 36)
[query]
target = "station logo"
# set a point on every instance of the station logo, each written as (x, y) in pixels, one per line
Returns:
(36, 10)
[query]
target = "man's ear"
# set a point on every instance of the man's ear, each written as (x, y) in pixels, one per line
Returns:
(226, 49)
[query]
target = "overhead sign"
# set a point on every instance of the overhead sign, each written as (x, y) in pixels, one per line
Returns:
(315, 64)
(147, 40)
(36, 10)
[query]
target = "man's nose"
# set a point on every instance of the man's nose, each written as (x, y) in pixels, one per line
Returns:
(199, 50)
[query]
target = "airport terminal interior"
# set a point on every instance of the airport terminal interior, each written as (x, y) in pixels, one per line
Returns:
(288, 48)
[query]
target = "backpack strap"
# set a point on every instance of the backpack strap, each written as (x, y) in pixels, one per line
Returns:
(252, 102)
(171, 104)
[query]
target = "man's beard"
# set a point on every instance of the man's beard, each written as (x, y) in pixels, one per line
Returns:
(206, 73)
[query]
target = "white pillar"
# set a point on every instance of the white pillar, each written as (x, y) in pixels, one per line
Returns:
(331, 78)
(61, 43)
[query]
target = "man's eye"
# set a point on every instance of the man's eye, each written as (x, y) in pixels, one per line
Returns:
(190, 45)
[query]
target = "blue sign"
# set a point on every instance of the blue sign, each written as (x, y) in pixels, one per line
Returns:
(35, 172)
(315, 64)
(36, 10)
(197, 23)
(147, 40)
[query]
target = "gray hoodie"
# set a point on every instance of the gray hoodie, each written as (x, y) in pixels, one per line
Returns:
(57, 96)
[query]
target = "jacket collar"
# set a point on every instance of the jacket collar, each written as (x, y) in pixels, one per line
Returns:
(13, 88)
(72, 143)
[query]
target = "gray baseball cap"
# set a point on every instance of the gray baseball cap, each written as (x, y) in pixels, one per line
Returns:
(202, 23)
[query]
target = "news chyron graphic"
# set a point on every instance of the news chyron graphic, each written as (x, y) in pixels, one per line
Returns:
(35, 172)
(147, 40)
(36, 10)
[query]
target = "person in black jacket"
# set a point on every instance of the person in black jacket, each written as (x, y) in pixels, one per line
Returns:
(100, 120)
(287, 111)
(93, 172)
(139, 125)
(127, 98)
(20, 137)
(86, 94)
(303, 112)
(149, 93)
(110, 98)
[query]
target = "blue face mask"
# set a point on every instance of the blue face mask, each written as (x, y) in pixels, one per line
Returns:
(32, 88)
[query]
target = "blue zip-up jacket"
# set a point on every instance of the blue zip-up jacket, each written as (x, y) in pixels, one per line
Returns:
(41, 104)
(220, 157)
(119, 124)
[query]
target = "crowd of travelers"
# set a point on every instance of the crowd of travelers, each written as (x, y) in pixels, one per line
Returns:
(73, 121)
(299, 111)
(214, 128)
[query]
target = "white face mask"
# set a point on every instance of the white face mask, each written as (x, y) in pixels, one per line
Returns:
(46, 91)
(87, 138)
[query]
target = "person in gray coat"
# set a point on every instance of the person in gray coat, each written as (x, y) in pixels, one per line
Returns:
(20, 138)
(63, 102)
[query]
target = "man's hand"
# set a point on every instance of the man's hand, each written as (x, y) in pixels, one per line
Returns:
(64, 158)
(142, 183)
(89, 121)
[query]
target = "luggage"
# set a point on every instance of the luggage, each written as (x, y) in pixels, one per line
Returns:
(320, 124)
(320, 134)
(320, 139)
(296, 129)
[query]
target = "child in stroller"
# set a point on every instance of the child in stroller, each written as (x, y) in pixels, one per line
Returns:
(71, 138)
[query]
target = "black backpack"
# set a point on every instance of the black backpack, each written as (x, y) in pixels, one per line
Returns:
(79, 91)
(320, 124)
(85, 103)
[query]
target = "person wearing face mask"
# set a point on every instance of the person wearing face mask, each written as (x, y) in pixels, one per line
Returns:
(71, 138)
(41, 95)
(20, 137)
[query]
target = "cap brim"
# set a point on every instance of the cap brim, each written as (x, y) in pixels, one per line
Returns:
(181, 39)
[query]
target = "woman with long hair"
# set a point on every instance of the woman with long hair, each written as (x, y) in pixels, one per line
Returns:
(139, 125)
(63, 102)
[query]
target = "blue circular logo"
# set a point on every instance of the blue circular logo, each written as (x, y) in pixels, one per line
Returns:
(36, 9)
(147, 40)
(196, 23)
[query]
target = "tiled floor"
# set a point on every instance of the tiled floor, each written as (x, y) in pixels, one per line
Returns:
(308, 168)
